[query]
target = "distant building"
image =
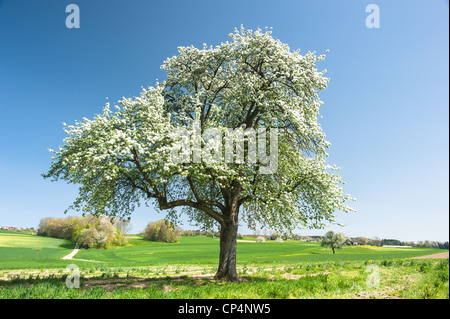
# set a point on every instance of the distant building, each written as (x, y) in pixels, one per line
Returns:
(355, 242)
(10, 228)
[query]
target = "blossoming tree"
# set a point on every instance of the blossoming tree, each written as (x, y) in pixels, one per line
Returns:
(333, 240)
(123, 158)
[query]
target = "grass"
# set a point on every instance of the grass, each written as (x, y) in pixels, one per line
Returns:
(23, 250)
(197, 250)
(144, 269)
(17, 251)
(412, 279)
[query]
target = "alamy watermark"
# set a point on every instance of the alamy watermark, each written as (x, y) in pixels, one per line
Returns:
(373, 19)
(73, 19)
(373, 279)
(215, 145)
(73, 279)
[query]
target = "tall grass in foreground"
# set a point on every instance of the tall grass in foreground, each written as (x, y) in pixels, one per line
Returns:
(434, 283)
(401, 278)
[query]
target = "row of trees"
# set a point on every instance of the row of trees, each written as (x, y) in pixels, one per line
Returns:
(202, 233)
(345, 241)
(421, 244)
(89, 231)
(431, 244)
(338, 240)
(164, 230)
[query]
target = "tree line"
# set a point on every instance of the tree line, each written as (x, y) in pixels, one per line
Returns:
(421, 244)
(336, 240)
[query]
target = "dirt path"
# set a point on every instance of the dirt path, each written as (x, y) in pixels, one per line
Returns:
(74, 252)
(439, 255)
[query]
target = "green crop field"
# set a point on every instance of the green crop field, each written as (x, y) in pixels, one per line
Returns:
(268, 267)
(17, 251)
(23, 250)
(205, 250)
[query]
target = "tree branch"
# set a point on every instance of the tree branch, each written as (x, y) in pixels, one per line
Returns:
(164, 204)
(199, 200)
(144, 174)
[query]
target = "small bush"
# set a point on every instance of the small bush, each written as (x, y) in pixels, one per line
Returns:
(162, 230)
(260, 239)
(273, 236)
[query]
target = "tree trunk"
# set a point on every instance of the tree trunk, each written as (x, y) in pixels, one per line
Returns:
(332, 249)
(228, 234)
(227, 257)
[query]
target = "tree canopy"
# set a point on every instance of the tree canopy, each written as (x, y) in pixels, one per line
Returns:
(334, 240)
(190, 142)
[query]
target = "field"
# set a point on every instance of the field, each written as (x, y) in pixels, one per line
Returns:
(144, 269)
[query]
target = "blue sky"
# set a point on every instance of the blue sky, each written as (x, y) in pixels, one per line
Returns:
(385, 110)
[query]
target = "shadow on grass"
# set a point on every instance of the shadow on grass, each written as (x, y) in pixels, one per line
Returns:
(109, 283)
(174, 281)
(67, 244)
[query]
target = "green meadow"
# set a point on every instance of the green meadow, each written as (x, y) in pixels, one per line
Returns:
(18, 251)
(205, 250)
(31, 267)
(23, 250)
